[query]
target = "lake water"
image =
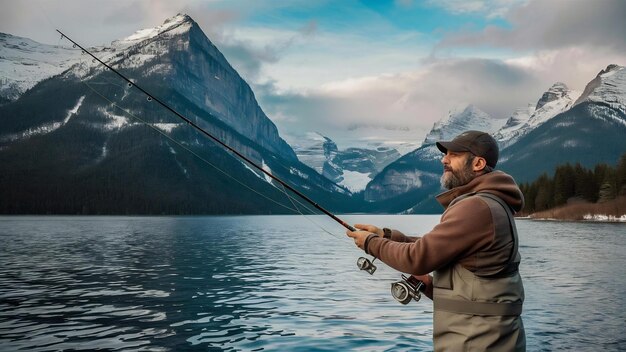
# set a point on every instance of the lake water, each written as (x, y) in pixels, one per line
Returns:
(274, 283)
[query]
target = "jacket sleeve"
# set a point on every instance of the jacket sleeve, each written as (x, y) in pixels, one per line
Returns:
(465, 228)
(398, 236)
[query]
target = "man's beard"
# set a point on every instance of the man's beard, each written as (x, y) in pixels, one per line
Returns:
(453, 179)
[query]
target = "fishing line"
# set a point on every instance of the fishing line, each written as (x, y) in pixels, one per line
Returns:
(363, 263)
(293, 201)
(217, 140)
(184, 147)
(307, 217)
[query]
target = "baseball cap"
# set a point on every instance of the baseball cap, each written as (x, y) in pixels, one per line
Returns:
(476, 142)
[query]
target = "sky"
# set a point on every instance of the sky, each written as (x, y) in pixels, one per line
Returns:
(359, 70)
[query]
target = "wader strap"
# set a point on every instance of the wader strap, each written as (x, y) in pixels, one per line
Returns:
(478, 308)
(514, 258)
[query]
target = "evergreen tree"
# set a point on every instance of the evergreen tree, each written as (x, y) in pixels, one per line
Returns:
(620, 175)
(564, 184)
(545, 193)
(608, 188)
(529, 198)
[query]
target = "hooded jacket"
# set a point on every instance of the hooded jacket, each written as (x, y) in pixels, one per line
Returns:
(465, 234)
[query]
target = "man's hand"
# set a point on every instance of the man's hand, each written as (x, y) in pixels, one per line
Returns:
(370, 228)
(359, 237)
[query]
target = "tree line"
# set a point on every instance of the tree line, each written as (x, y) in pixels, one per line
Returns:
(575, 182)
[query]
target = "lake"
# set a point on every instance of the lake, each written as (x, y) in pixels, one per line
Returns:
(275, 283)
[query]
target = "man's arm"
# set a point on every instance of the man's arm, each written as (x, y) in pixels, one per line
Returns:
(465, 228)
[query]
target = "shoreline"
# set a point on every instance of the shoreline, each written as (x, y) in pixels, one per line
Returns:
(617, 221)
(612, 211)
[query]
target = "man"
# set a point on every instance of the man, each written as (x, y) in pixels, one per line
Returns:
(476, 287)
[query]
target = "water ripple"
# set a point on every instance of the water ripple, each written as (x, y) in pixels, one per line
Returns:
(271, 283)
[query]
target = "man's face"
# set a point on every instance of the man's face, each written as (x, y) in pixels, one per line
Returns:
(457, 169)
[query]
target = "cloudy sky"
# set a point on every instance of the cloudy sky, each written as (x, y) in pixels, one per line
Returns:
(359, 68)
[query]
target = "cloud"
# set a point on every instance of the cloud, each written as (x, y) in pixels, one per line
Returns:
(413, 99)
(488, 8)
(249, 57)
(546, 25)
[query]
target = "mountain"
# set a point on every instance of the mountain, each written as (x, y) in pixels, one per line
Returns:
(457, 122)
(351, 168)
(563, 126)
(414, 178)
(555, 100)
(66, 145)
(591, 131)
(24, 62)
(608, 88)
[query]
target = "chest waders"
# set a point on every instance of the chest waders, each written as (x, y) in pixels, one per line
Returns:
(480, 310)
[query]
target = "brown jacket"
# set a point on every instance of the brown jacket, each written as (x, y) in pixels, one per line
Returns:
(465, 234)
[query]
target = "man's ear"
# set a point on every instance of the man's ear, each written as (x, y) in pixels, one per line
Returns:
(478, 164)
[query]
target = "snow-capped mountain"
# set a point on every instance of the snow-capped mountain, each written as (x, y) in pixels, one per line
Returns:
(609, 87)
(24, 62)
(514, 124)
(589, 132)
(351, 168)
(459, 121)
(555, 100)
(93, 137)
(534, 140)
(418, 172)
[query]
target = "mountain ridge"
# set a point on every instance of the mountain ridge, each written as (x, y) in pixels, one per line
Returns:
(178, 61)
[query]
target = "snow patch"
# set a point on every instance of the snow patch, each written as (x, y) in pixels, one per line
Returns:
(602, 217)
(167, 127)
(74, 110)
(251, 169)
(294, 171)
(258, 173)
(116, 121)
(564, 124)
(355, 181)
(45, 128)
(265, 167)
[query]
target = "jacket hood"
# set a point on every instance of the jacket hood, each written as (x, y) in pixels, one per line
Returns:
(497, 183)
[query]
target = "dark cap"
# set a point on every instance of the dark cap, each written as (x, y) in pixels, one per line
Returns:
(476, 142)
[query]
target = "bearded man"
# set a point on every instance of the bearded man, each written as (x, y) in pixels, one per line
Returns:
(473, 252)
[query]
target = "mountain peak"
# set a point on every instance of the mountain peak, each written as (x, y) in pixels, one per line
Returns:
(608, 87)
(470, 118)
(556, 92)
(179, 23)
(557, 99)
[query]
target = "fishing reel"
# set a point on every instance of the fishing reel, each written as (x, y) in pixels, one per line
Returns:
(407, 289)
(366, 264)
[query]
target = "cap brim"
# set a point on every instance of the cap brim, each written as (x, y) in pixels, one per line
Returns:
(451, 146)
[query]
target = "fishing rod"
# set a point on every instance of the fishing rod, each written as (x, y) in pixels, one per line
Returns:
(363, 263)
